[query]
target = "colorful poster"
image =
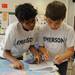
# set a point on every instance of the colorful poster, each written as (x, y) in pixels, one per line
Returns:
(5, 19)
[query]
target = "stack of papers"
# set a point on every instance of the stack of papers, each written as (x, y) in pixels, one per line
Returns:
(48, 66)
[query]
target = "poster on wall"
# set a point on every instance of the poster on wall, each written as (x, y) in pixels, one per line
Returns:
(2, 31)
(5, 19)
(0, 19)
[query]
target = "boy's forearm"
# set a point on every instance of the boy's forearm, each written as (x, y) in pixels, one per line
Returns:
(7, 54)
(68, 53)
(33, 50)
(43, 50)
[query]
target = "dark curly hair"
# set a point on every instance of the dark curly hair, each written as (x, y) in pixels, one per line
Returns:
(25, 12)
(56, 10)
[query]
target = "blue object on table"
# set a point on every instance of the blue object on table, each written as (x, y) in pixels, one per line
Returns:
(28, 57)
(5, 69)
(5, 65)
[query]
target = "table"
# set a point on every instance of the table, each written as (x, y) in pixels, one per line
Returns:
(5, 69)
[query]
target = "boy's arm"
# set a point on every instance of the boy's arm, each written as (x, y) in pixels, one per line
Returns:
(33, 50)
(43, 49)
(15, 62)
(69, 52)
(35, 53)
(45, 52)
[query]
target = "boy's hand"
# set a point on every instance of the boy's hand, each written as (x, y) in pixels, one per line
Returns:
(46, 56)
(58, 59)
(17, 65)
(37, 58)
(45, 53)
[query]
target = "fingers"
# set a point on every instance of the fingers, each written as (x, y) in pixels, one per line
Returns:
(17, 66)
(37, 59)
(21, 67)
(46, 57)
(58, 59)
(41, 57)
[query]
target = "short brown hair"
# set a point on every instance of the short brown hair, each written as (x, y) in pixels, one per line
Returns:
(56, 10)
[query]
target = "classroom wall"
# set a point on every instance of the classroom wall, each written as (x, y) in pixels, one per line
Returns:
(71, 13)
(40, 5)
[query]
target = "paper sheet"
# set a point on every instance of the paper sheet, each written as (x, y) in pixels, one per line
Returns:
(48, 66)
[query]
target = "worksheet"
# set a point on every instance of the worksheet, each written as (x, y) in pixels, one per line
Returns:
(45, 66)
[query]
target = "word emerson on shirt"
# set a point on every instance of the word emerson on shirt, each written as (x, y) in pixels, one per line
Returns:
(53, 39)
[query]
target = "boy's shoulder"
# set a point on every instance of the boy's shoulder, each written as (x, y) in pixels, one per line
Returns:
(67, 27)
(12, 27)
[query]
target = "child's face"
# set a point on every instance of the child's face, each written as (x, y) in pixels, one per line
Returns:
(54, 24)
(28, 24)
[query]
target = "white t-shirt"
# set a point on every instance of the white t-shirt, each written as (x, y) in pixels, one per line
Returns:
(56, 41)
(17, 39)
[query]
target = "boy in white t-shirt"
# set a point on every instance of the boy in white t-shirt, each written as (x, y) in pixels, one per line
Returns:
(56, 39)
(19, 36)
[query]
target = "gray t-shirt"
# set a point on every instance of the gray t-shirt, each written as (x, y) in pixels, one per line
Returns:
(56, 41)
(17, 39)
